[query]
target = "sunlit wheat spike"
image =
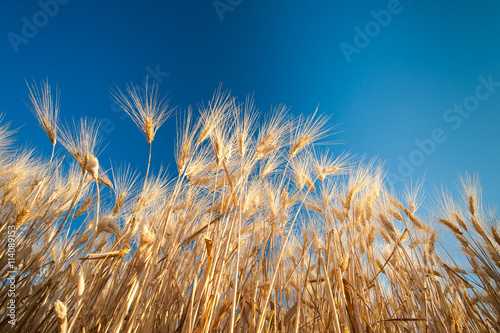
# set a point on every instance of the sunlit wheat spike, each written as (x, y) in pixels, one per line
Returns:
(460, 221)
(200, 181)
(272, 135)
(92, 165)
(5, 134)
(146, 238)
(124, 181)
(308, 131)
(387, 225)
(214, 113)
(145, 108)
(246, 118)
(103, 179)
(61, 315)
(371, 236)
(313, 207)
(82, 141)
(472, 192)
(270, 164)
(200, 162)
(155, 190)
(185, 147)
(45, 107)
(222, 141)
(476, 224)
(108, 224)
(302, 169)
(496, 235)
(452, 226)
(326, 164)
(414, 195)
(344, 262)
(83, 208)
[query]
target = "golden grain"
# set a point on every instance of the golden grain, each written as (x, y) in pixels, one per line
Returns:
(278, 237)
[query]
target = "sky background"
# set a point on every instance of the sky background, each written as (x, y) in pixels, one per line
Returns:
(394, 89)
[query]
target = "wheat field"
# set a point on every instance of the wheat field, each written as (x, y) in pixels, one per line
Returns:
(259, 230)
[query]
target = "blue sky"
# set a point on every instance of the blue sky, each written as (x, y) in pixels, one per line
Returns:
(393, 74)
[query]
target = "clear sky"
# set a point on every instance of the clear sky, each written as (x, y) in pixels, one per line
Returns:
(416, 83)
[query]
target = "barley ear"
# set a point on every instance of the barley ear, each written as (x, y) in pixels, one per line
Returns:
(148, 129)
(344, 263)
(472, 205)
(62, 316)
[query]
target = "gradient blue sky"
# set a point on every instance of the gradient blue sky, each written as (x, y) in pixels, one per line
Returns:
(396, 88)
